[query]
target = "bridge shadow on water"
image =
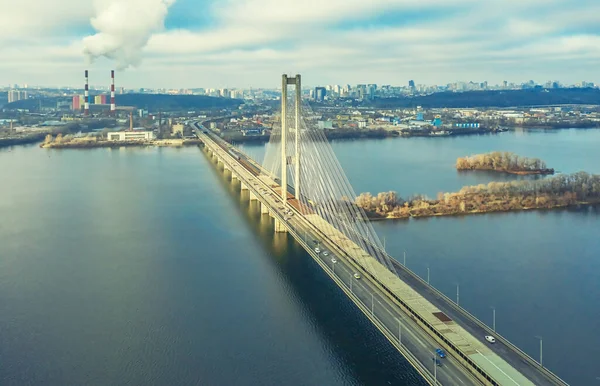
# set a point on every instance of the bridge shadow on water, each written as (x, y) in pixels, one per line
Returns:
(363, 350)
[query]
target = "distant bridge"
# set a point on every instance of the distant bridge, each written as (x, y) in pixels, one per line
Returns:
(317, 209)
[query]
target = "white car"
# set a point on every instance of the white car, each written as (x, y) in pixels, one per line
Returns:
(490, 339)
(356, 276)
(325, 253)
(334, 260)
(317, 250)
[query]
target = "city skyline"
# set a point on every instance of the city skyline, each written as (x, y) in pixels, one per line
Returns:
(240, 44)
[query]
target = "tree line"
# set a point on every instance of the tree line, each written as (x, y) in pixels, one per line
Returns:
(558, 191)
(502, 161)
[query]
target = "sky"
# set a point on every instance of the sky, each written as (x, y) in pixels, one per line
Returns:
(250, 43)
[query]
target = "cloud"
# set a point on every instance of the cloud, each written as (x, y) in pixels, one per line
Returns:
(124, 28)
(239, 43)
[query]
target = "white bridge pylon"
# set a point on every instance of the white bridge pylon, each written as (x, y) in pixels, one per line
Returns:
(320, 185)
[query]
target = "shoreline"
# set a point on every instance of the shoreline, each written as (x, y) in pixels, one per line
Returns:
(475, 212)
(28, 140)
(337, 134)
(542, 172)
(112, 144)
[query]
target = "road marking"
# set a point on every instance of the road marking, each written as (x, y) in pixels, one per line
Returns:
(515, 382)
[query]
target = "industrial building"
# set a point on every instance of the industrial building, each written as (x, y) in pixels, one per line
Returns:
(131, 136)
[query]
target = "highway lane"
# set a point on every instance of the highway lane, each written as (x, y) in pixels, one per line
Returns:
(412, 337)
(527, 368)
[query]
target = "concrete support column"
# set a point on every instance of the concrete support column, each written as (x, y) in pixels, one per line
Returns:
(284, 83)
(297, 134)
(243, 186)
(253, 197)
(264, 209)
(279, 227)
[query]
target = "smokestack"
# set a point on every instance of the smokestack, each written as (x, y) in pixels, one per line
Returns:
(113, 106)
(131, 121)
(86, 96)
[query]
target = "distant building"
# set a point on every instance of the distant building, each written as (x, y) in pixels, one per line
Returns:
(419, 116)
(325, 125)
(411, 84)
(63, 104)
(467, 125)
(131, 136)
(76, 105)
(178, 129)
(16, 95)
(252, 131)
(320, 93)
(98, 100)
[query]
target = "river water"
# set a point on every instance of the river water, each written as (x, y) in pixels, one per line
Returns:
(146, 266)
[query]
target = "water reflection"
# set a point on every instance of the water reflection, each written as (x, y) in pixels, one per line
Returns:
(372, 360)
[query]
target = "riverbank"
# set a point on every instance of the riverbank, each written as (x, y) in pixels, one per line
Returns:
(433, 213)
(82, 144)
(24, 140)
(518, 172)
(368, 134)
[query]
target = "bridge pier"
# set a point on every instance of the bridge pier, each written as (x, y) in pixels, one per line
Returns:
(243, 186)
(264, 209)
(253, 197)
(280, 227)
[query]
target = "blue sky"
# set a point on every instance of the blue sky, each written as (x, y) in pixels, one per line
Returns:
(250, 43)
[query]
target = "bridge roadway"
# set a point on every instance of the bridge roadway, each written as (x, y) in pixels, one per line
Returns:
(400, 327)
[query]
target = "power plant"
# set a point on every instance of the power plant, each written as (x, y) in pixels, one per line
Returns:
(86, 96)
(113, 106)
(86, 101)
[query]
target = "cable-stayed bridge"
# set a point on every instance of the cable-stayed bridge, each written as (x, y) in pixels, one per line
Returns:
(317, 208)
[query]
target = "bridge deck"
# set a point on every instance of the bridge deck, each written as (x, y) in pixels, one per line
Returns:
(495, 366)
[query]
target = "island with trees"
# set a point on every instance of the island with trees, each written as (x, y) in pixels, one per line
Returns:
(503, 162)
(553, 192)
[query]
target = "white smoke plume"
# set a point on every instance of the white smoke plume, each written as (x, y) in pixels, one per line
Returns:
(123, 28)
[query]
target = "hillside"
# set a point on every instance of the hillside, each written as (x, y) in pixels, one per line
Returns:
(152, 102)
(507, 98)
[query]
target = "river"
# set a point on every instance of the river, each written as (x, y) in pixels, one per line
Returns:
(146, 266)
